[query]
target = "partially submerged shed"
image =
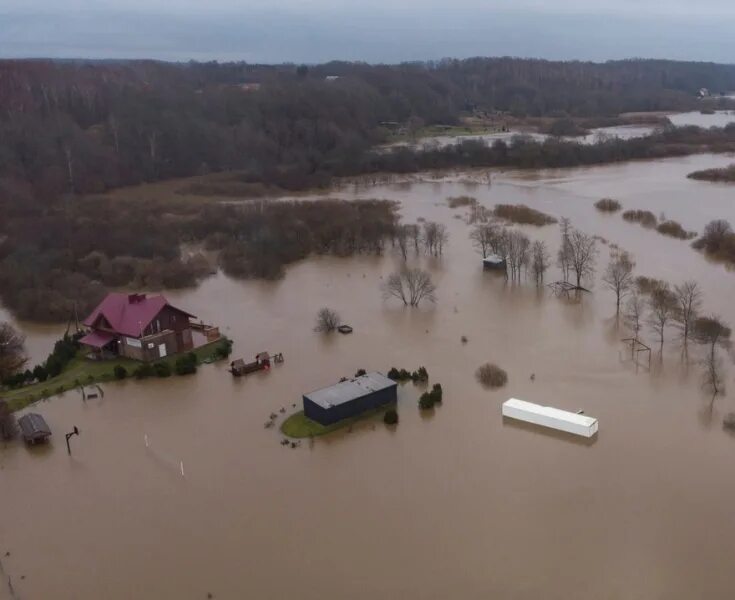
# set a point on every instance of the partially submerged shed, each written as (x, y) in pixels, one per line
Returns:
(349, 398)
(547, 416)
(34, 428)
(493, 262)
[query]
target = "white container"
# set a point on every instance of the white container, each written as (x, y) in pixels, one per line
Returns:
(550, 417)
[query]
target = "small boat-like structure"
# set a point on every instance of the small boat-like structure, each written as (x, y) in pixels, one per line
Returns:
(546, 416)
(34, 428)
(262, 362)
(344, 329)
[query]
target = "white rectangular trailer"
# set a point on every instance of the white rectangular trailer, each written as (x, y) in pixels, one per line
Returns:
(550, 417)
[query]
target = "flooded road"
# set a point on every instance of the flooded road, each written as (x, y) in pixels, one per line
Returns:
(457, 504)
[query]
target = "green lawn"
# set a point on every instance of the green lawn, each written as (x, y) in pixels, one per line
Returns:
(299, 426)
(81, 371)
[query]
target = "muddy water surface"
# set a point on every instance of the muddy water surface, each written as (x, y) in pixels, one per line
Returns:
(456, 504)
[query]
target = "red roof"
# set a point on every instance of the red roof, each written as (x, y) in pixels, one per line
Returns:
(97, 339)
(129, 314)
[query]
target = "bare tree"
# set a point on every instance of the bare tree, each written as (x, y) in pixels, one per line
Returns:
(539, 261)
(8, 424)
(634, 312)
(563, 256)
(662, 305)
(689, 301)
(435, 236)
(12, 350)
(401, 237)
(414, 234)
(582, 252)
(712, 332)
(618, 276)
(482, 236)
(518, 246)
(411, 286)
(327, 320)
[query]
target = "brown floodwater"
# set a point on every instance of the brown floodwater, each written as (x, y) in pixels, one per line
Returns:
(456, 504)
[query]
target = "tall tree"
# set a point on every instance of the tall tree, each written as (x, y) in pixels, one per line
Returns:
(618, 276)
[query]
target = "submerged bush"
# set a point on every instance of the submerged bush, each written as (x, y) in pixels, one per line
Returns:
(608, 205)
(458, 201)
(491, 376)
(120, 372)
(644, 217)
(390, 417)
(522, 214)
(162, 369)
(144, 370)
(186, 365)
(674, 229)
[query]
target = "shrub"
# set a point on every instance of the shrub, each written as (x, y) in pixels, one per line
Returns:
(729, 421)
(608, 205)
(644, 217)
(223, 349)
(427, 401)
(394, 374)
(142, 371)
(420, 375)
(522, 214)
(120, 372)
(390, 417)
(327, 320)
(186, 365)
(723, 174)
(491, 376)
(39, 373)
(674, 229)
(360, 372)
(162, 369)
(437, 393)
(459, 201)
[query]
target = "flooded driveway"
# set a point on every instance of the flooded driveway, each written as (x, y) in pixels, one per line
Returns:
(456, 504)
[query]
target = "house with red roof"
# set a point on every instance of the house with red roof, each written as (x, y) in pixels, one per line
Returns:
(138, 326)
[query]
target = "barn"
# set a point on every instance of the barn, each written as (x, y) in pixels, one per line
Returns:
(349, 398)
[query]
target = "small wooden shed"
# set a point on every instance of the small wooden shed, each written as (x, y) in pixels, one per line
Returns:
(34, 428)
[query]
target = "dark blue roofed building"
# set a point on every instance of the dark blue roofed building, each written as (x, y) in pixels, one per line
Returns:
(349, 398)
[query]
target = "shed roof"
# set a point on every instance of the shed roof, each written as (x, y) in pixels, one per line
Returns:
(97, 339)
(493, 259)
(347, 391)
(129, 314)
(33, 425)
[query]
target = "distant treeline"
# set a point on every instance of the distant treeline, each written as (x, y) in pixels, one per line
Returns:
(89, 126)
(54, 259)
(524, 152)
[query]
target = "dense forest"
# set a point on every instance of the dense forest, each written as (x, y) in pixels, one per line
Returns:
(87, 126)
(69, 129)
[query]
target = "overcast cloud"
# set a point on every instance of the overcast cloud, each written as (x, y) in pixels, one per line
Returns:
(375, 31)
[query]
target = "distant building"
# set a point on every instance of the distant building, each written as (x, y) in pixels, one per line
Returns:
(349, 398)
(331, 78)
(137, 326)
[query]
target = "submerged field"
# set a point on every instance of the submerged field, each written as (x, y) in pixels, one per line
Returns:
(450, 503)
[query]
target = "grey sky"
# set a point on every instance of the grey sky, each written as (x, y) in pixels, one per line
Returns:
(371, 30)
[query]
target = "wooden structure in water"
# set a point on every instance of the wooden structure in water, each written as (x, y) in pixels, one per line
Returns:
(563, 288)
(636, 347)
(34, 428)
(262, 362)
(345, 329)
